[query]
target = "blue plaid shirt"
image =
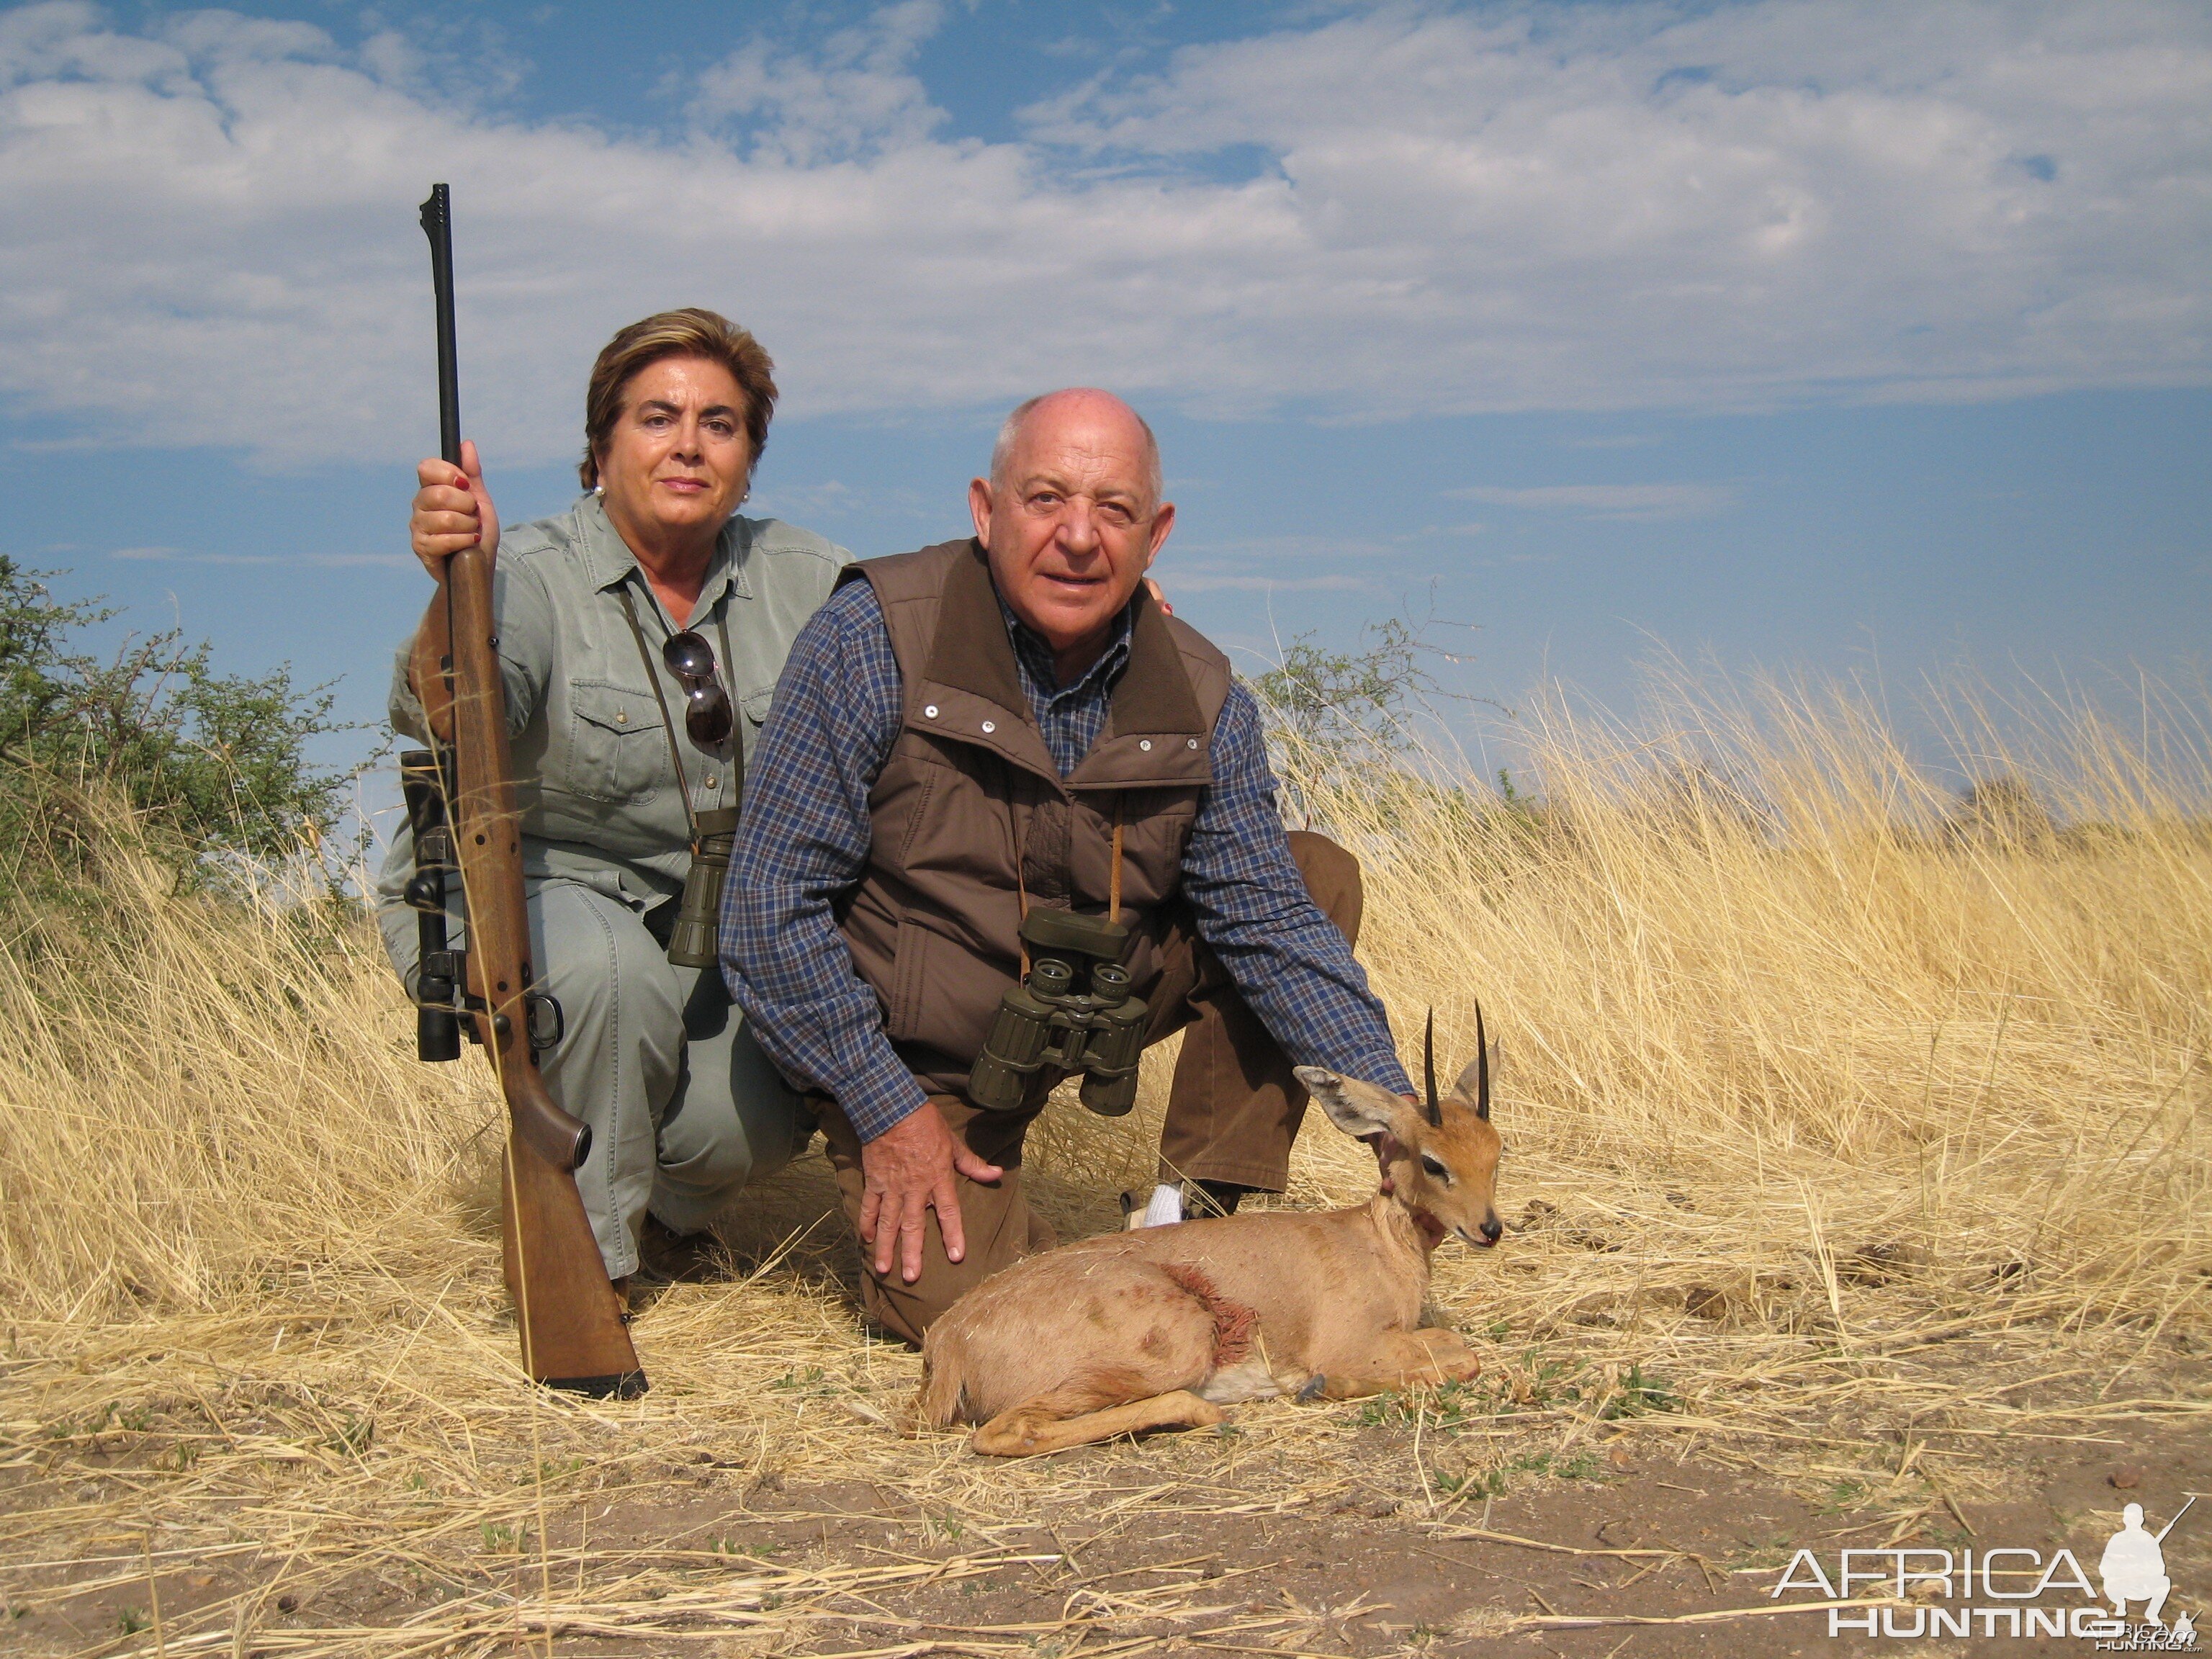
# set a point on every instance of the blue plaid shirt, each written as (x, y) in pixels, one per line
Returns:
(839, 707)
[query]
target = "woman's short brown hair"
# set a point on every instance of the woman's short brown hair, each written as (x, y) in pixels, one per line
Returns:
(691, 332)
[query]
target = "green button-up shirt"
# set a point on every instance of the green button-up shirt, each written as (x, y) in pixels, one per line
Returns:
(601, 804)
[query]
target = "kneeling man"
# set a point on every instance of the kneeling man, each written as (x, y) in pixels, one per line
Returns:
(987, 726)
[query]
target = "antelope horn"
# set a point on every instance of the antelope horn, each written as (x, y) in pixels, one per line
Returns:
(1481, 1066)
(1436, 1111)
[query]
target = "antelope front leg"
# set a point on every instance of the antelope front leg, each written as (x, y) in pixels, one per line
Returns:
(1399, 1359)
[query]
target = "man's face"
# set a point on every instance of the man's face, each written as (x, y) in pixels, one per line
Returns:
(1072, 526)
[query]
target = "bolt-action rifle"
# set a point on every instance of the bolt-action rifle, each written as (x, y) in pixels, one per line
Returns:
(461, 803)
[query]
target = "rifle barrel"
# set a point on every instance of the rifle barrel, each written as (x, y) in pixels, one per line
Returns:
(2175, 1522)
(437, 215)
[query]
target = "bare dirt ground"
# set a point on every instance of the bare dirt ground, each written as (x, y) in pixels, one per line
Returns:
(1441, 1524)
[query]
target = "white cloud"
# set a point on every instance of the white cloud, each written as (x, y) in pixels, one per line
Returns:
(211, 233)
(1640, 502)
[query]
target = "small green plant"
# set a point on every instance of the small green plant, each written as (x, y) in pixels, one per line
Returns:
(731, 1546)
(1772, 1553)
(1843, 1495)
(131, 1621)
(66, 1429)
(353, 1435)
(499, 1538)
(1638, 1394)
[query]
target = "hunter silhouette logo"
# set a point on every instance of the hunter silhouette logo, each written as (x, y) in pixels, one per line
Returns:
(1905, 1593)
(2134, 1564)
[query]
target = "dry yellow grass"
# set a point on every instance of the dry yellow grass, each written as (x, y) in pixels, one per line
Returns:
(1801, 1077)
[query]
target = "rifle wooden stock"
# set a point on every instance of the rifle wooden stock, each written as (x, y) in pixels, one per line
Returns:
(574, 1324)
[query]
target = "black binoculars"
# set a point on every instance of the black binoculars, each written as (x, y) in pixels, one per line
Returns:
(439, 975)
(1072, 1013)
(444, 1010)
(692, 942)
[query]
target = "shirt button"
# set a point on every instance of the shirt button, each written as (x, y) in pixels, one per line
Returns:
(930, 712)
(990, 726)
(1144, 743)
(712, 783)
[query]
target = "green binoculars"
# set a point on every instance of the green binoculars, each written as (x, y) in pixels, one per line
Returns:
(1072, 1013)
(692, 942)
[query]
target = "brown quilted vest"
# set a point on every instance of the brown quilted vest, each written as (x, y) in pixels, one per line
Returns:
(971, 793)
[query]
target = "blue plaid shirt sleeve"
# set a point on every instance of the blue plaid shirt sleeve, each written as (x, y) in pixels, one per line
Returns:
(1287, 960)
(804, 842)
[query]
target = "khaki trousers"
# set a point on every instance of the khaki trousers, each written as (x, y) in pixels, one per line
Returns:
(1234, 1109)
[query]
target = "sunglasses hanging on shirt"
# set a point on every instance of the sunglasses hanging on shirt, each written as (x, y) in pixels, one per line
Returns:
(707, 716)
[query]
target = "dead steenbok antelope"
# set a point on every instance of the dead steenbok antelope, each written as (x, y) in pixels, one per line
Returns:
(1154, 1329)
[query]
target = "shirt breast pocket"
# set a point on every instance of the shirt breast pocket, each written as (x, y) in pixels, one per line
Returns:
(617, 749)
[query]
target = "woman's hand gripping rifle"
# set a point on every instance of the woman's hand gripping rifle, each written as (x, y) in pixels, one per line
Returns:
(575, 1328)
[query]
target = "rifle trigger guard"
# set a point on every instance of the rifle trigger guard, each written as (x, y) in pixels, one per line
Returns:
(543, 1020)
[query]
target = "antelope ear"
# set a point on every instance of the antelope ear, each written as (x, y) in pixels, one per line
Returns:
(1469, 1087)
(1360, 1109)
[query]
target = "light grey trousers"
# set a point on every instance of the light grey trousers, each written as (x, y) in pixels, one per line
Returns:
(683, 1107)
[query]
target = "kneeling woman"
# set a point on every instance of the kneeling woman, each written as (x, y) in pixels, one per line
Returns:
(640, 634)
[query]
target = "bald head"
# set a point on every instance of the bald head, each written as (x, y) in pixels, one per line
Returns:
(1071, 517)
(1079, 407)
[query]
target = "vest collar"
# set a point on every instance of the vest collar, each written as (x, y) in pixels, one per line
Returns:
(1154, 734)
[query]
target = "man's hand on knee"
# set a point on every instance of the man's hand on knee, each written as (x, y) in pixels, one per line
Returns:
(906, 1171)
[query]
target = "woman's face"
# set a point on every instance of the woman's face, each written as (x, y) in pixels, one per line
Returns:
(678, 459)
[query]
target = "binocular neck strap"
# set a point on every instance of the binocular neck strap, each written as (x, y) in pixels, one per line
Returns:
(737, 711)
(667, 724)
(1113, 882)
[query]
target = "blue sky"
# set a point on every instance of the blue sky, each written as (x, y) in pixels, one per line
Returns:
(1814, 336)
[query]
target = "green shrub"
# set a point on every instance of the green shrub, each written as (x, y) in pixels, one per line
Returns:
(207, 764)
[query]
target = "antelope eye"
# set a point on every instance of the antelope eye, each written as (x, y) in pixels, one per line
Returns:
(1434, 1167)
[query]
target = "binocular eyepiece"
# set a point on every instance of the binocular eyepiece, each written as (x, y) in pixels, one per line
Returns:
(1072, 1013)
(693, 942)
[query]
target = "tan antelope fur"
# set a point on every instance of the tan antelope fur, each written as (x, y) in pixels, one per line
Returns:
(1158, 1327)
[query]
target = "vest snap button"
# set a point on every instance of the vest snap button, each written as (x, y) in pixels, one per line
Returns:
(1144, 743)
(930, 712)
(1190, 743)
(990, 726)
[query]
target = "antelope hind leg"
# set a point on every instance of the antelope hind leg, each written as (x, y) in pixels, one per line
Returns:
(1039, 1426)
(1403, 1359)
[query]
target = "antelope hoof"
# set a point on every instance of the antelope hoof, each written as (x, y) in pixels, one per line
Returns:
(1316, 1386)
